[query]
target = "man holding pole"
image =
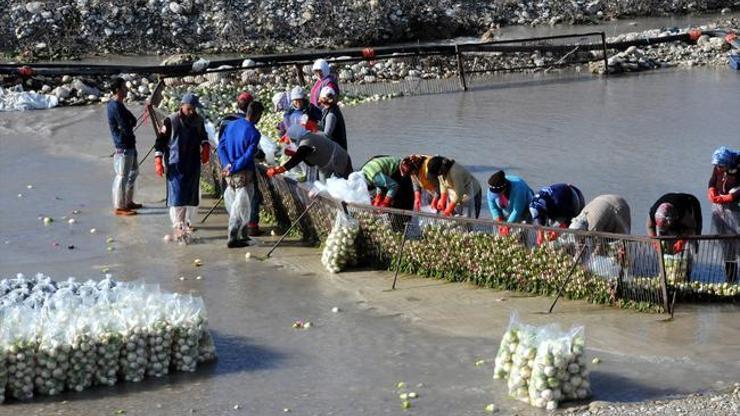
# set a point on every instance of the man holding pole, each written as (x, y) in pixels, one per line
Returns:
(236, 150)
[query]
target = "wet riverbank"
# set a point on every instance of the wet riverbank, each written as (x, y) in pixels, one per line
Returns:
(428, 334)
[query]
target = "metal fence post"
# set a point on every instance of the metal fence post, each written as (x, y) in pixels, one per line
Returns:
(299, 75)
(460, 69)
(663, 279)
(606, 60)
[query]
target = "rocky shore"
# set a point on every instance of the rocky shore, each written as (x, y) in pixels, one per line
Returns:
(57, 29)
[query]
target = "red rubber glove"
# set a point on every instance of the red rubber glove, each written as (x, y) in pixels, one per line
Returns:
(500, 219)
(285, 139)
(417, 201)
(450, 209)
(378, 200)
(504, 231)
(275, 171)
(552, 235)
(723, 199)
(678, 246)
(711, 194)
(656, 245)
(540, 238)
(435, 201)
(205, 153)
(289, 152)
(311, 126)
(158, 166)
(387, 202)
(442, 204)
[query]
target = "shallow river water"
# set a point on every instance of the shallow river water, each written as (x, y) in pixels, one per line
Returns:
(638, 135)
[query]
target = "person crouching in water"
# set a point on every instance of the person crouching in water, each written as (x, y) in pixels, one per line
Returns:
(236, 150)
(460, 192)
(416, 167)
(383, 176)
(318, 151)
(181, 147)
(724, 194)
(125, 163)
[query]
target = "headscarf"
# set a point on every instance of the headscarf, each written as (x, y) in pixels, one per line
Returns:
(438, 166)
(321, 65)
(665, 216)
(725, 157)
(411, 164)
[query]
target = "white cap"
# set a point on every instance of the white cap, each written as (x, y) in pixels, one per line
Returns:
(321, 65)
(297, 93)
(327, 92)
(280, 101)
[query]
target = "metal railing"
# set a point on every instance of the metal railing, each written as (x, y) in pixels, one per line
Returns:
(627, 271)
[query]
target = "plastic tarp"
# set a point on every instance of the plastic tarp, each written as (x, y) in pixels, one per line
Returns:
(15, 99)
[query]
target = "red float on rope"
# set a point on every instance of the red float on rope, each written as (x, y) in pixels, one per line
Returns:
(25, 71)
(694, 34)
(368, 53)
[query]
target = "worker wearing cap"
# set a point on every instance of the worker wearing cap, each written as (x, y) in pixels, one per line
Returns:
(332, 120)
(416, 167)
(181, 146)
(324, 78)
(300, 112)
(315, 149)
(555, 205)
(508, 199)
(236, 151)
(460, 192)
(724, 194)
(605, 213)
(675, 214)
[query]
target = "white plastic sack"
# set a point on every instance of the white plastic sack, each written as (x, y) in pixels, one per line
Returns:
(351, 190)
(339, 249)
(603, 266)
(269, 147)
(15, 99)
(211, 132)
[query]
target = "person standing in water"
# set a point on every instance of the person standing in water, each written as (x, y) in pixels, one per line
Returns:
(181, 147)
(125, 160)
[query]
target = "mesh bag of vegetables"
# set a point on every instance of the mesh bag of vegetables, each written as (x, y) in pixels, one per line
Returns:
(187, 321)
(559, 372)
(339, 249)
(134, 354)
(3, 357)
(21, 345)
(82, 355)
(522, 361)
(106, 333)
(206, 346)
(160, 333)
(52, 356)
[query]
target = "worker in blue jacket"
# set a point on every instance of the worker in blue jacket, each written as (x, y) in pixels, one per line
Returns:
(236, 150)
(556, 204)
(508, 198)
(125, 160)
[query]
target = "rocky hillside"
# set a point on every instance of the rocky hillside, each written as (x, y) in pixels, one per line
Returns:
(64, 28)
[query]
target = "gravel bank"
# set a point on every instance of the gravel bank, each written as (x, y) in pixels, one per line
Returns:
(57, 29)
(716, 404)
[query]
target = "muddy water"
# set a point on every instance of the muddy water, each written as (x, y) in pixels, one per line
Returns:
(425, 335)
(639, 136)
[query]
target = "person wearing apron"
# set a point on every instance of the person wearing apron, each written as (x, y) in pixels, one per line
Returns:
(181, 147)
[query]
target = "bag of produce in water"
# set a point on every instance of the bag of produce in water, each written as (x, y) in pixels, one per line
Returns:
(107, 334)
(3, 357)
(515, 332)
(339, 249)
(134, 354)
(160, 334)
(82, 355)
(52, 356)
(20, 323)
(559, 372)
(187, 322)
